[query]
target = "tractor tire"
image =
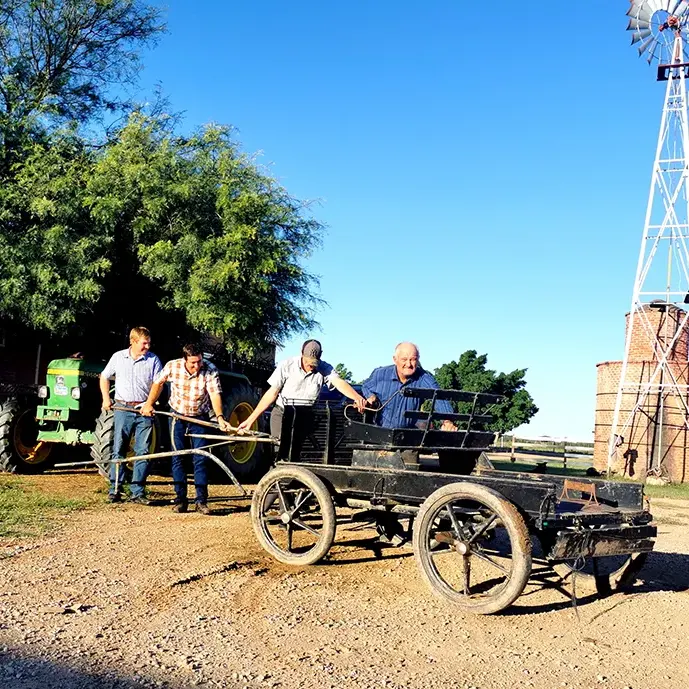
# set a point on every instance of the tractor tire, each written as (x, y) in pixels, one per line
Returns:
(101, 450)
(244, 460)
(19, 450)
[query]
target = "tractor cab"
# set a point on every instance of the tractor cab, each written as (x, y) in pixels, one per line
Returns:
(71, 401)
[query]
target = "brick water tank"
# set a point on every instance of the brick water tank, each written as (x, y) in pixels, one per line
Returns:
(658, 436)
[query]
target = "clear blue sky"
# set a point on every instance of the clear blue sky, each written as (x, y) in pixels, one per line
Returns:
(483, 170)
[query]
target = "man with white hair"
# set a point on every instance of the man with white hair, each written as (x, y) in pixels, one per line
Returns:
(406, 372)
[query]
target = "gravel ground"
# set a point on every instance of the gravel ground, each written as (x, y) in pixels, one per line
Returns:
(132, 596)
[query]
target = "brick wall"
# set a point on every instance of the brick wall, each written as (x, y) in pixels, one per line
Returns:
(645, 440)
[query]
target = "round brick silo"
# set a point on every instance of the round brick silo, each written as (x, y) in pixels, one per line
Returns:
(657, 436)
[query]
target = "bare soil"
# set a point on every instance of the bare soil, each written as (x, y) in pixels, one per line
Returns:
(131, 596)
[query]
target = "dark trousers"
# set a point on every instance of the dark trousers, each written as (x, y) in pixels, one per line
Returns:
(178, 432)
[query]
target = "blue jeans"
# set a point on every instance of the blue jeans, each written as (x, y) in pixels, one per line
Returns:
(129, 424)
(178, 431)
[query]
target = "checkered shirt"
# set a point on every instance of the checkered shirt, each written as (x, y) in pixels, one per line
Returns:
(190, 394)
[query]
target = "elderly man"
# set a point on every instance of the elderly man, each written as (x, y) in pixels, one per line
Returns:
(134, 370)
(194, 388)
(298, 381)
(406, 371)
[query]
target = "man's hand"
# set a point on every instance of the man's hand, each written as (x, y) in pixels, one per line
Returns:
(372, 400)
(147, 410)
(245, 426)
(107, 404)
(360, 403)
(447, 425)
(224, 426)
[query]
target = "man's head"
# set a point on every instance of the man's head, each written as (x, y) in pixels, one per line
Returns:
(139, 340)
(193, 357)
(311, 352)
(406, 358)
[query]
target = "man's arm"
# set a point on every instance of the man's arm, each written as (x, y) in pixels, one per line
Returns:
(216, 401)
(368, 387)
(348, 391)
(153, 395)
(105, 392)
(268, 398)
(104, 382)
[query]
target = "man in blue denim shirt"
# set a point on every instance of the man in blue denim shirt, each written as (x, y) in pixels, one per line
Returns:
(383, 384)
(134, 370)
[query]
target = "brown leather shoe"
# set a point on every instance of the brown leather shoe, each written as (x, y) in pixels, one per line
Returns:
(202, 508)
(180, 507)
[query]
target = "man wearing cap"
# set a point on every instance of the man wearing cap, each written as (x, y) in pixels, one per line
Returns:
(298, 381)
(134, 370)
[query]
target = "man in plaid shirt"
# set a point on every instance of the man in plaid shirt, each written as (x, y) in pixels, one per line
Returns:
(194, 389)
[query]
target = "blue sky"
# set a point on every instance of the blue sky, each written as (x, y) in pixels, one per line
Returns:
(483, 173)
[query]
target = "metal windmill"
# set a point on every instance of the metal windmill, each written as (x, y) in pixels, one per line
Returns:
(659, 30)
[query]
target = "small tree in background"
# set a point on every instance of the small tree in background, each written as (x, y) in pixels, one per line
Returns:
(344, 373)
(470, 373)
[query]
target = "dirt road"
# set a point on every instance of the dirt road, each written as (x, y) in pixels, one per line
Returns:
(130, 596)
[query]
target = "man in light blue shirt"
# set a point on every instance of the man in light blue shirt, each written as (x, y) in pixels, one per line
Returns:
(134, 370)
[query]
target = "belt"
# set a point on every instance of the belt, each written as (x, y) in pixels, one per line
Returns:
(129, 404)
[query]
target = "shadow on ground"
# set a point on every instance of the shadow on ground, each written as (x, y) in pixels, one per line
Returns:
(20, 670)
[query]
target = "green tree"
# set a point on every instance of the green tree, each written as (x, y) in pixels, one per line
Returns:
(184, 234)
(344, 373)
(470, 373)
(60, 58)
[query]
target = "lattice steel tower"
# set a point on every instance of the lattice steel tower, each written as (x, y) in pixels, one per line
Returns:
(652, 399)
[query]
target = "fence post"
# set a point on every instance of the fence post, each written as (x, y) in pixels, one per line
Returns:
(512, 457)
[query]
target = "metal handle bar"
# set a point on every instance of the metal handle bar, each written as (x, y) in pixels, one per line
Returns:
(191, 419)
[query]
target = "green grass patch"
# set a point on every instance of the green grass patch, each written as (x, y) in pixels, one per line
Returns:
(674, 491)
(26, 512)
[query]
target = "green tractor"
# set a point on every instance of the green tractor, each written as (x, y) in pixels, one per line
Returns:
(70, 414)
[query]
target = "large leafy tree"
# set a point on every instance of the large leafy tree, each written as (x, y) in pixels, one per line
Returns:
(470, 373)
(185, 234)
(217, 241)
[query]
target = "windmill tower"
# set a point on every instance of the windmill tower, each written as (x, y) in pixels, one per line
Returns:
(651, 414)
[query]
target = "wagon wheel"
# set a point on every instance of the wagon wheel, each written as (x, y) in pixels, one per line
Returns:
(603, 575)
(473, 547)
(293, 516)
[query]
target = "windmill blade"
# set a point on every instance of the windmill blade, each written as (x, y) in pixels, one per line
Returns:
(680, 8)
(640, 35)
(637, 24)
(646, 45)
(640, 12)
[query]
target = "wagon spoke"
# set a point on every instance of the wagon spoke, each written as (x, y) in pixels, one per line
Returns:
(281, 495)
(483, 528)
(459, 531)
(300, 503)
(306, 527)
(271, 518)
(289, 537)
(490, 560)
(466, 573)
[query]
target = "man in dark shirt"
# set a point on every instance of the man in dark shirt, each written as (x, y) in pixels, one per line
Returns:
(383, 384)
